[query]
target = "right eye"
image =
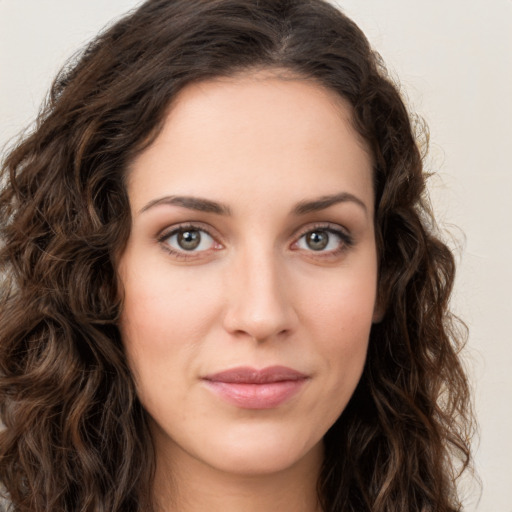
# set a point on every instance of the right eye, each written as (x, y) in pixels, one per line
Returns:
(188, 240)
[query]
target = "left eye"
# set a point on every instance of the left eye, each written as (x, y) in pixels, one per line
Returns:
(320, 240)
(190, 239)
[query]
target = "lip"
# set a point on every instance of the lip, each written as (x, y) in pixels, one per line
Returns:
(251, 388)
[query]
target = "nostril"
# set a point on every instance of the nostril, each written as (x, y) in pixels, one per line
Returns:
(258, 304)
(273, 324)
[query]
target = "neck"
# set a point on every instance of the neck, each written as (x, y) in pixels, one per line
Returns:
(195, 487)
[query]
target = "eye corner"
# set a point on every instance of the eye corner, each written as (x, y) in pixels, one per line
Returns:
(189, 241)
(329, 240)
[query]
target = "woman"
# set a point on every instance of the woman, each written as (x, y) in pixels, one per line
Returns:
(223, 289)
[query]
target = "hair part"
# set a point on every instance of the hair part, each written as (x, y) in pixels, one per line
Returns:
(76, 436)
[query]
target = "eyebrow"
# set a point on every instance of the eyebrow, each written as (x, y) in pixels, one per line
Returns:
(209, 206)
(326, 201)
(192, 203)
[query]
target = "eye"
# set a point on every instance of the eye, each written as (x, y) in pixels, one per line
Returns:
(188, 239)
(323, 239)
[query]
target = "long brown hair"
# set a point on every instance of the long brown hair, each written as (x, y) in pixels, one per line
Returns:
(75, 436)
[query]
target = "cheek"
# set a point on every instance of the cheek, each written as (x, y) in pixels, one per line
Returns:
(341, 319)
(344, 305)
(158, 300)
(344, 343)
(162, 326)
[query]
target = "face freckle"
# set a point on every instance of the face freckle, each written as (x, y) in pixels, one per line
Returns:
(251, 256)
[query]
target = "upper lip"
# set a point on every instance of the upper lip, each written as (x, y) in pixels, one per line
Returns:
(249, 375)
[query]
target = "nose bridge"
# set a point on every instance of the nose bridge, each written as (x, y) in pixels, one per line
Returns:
(258, 302)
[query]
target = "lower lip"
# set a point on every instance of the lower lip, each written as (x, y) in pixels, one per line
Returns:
(256, 396)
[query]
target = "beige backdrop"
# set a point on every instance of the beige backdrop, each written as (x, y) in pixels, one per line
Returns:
(454, 60)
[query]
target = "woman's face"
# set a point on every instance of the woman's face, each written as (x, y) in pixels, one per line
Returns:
(250, 273)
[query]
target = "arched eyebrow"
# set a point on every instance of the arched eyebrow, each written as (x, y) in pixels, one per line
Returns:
(324, 202)
(191, 203)
(209, 206)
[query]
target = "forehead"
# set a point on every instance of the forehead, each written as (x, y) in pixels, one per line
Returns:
(254, 133)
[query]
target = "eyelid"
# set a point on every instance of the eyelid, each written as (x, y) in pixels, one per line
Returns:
(346, 239)
(336, 229)
(325, 226)
(170, 231)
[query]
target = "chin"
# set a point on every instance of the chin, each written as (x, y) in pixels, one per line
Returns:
(261, 453)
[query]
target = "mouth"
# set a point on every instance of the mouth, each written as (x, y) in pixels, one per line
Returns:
(250, 388)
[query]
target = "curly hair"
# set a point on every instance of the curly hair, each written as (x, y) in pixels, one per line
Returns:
(75, 436)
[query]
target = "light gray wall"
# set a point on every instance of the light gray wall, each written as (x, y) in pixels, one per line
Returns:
(454, 60)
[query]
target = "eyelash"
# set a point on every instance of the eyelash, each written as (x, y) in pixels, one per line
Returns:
(346, 240)
(183, 255)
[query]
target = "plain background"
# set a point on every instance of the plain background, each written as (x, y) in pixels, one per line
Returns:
(454, 61)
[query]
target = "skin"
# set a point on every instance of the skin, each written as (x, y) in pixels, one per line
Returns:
(254, 293)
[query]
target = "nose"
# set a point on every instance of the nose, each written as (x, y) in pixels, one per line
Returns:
(259, 304)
